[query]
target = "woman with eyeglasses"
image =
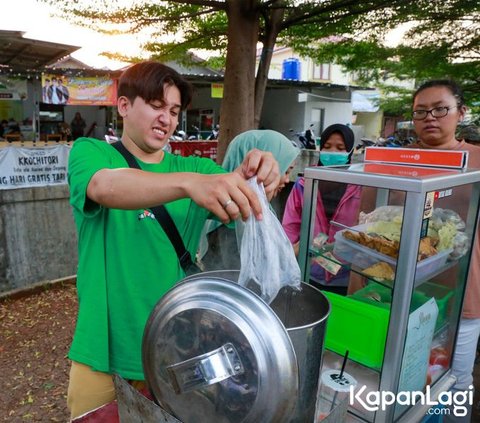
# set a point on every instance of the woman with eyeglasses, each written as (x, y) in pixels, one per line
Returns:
(438, 107)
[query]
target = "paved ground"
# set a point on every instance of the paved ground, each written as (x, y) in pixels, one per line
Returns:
(35, 333)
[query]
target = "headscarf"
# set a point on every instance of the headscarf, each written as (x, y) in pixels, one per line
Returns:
(346, 133)
(262, 139)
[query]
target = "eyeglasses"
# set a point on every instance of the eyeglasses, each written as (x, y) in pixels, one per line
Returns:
(436, 112)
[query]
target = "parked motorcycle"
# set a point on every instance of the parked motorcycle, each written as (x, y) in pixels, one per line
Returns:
(196, 135)
(305, 139)
(178, 136)
(214, 134)
(364, 143)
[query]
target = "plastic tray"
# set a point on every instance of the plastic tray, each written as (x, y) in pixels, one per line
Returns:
(358, 327)
(364, 257)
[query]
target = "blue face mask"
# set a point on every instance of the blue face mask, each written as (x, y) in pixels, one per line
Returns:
(334, 158)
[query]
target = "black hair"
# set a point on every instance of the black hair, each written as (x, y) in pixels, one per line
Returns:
(450, 84)
(147, 80)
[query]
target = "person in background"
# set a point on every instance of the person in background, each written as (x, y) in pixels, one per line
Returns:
(77, 126)
(438, 107)
(12, 128)
(65, 131)
(335, 201)
(118, 286)
(111, 131)
(218, 245)
(3, 127)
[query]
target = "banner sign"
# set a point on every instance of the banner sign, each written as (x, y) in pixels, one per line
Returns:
(407, 171)
(195, 148)
(12, 89)
(417, 156)
(33, 167)
(79, 90)
(217, 90)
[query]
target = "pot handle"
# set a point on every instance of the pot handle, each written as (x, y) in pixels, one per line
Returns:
(205, 369)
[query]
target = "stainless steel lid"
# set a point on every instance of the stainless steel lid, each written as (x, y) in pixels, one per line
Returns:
(215, 352)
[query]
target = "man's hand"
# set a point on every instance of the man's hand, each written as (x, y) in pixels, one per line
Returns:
(226, 195)
(264, 166)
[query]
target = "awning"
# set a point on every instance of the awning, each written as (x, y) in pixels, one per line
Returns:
(24, 54)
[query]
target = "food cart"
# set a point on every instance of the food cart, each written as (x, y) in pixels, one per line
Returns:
(400, 319)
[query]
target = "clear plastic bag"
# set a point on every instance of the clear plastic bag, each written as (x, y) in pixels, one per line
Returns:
(266, 254)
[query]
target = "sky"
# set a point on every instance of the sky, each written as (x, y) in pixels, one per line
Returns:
(36, 21)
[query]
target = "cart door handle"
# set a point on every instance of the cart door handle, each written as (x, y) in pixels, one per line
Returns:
(205, 369)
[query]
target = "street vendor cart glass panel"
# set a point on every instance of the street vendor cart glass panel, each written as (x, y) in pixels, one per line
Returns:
(404, 259)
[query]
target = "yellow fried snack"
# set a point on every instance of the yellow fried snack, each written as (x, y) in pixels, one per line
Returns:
(380, 270)
(426, 248)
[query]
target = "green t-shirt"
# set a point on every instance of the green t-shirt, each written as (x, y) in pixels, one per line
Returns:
(126, 261)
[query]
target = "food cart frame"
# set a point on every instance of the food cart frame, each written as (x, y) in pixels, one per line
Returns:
(415, 182)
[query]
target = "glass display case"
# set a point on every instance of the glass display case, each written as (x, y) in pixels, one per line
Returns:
(406, 261)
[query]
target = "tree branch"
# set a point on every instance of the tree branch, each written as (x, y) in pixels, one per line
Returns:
(217, 5)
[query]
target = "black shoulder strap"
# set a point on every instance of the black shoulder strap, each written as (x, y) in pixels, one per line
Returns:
(161, 214)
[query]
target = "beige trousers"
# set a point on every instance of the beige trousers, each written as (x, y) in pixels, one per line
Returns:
(88, 389)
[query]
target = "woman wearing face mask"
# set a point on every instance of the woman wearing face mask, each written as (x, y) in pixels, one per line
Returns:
(335, 201)
(219, 250)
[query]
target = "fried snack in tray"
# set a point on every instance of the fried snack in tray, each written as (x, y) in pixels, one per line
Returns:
(427, 248)
(380, 271)
(389, 247)
(445, 225)
(378, 243)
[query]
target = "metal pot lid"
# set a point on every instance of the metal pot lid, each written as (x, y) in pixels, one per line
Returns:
(215, 352)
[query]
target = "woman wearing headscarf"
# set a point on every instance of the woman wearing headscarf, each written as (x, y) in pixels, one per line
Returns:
(220, 240)
(335, 201)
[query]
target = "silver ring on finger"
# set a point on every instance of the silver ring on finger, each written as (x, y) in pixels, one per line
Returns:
(227, 203)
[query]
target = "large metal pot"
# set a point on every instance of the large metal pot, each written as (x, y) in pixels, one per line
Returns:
(214, 351)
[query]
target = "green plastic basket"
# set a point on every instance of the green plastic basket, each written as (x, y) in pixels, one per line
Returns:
(358, 327)
(359, 324)
(421, 295)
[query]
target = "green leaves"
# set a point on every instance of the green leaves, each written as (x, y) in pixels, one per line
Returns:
(442, 38)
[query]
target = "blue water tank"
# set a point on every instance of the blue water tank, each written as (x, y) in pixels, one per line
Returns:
(291, 69)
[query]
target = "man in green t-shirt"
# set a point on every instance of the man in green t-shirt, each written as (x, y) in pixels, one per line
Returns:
(126, 261)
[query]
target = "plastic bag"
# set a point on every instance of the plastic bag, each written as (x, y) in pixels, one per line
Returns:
(266, 254)
(383, 213)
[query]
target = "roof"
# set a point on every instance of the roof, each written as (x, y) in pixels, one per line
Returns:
(197, 68)
(69, 62)
(25, 54)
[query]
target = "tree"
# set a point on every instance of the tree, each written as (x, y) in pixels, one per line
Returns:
(233, 28)
(443, 42)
